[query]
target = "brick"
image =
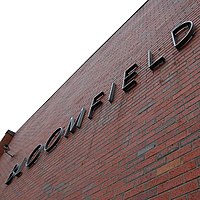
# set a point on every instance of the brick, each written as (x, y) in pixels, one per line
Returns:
(146, 107)
(147, 148)
(196, 144)
(164, 196)
(182, 198)
(193, 154)
(155, 165)
(181, 169)
(170, 184)
(179, 153)
(147, 194)
(192, 174)
(167, 151)
(157, 180)
(190, 138)
(186, 188)
(169, 166)
(194, 195)
(182, 91)
(166, 124)
(134, 191)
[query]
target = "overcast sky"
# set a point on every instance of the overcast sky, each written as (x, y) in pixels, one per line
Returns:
(43, 42)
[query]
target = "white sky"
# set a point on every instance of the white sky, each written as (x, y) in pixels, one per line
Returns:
(43, 42)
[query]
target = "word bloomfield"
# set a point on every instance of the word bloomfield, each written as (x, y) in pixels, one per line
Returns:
(179, 41)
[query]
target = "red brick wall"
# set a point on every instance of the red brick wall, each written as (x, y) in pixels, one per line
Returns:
(144, 145)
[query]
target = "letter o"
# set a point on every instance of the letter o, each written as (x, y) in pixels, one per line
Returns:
(34, 155)
(53, 140)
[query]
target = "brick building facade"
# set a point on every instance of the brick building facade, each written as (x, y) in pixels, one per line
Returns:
(125, 125)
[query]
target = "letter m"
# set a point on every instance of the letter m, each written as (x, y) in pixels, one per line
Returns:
(73, 124)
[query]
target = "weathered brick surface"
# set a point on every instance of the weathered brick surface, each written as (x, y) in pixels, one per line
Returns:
(143, 145)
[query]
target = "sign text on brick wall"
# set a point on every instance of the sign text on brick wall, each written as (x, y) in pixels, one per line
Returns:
(179, 41)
